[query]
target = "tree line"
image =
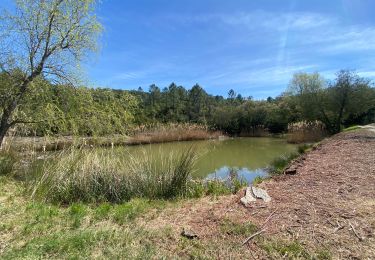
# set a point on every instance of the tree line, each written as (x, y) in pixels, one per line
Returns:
(65, 110)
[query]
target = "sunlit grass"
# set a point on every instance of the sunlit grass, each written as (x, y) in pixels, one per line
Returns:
(98, 176)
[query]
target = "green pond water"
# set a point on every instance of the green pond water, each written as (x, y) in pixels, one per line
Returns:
(247, 157)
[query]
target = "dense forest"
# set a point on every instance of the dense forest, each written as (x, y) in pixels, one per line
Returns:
(50, 109)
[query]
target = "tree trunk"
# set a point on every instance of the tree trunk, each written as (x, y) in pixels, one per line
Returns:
(4, 127)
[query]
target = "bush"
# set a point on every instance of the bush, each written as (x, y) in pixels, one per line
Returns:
(7, 162)
(101, 176)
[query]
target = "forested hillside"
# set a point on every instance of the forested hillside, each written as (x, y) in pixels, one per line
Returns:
(65, 110)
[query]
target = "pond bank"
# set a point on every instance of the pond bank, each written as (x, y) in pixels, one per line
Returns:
(324, 211)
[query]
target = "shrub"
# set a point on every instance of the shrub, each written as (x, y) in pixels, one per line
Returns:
(7, 162)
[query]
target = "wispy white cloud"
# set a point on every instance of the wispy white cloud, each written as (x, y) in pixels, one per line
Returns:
(259, 19)
(350, 39)
(127, 75)
(277, 21)
(367, 74)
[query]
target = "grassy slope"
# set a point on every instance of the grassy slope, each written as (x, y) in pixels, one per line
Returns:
(131, 230)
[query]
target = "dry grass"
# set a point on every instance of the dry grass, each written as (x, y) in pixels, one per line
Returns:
(156, 133)
(304, 132)
(170, 133)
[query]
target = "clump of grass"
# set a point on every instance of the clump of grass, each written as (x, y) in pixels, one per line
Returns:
(101, 176)
(238, 229)
(290, 250)
(215, 186)
(303, 148)
(306, 131)
(351, 128)
(7, 161)
(258, 180)
(279, 164)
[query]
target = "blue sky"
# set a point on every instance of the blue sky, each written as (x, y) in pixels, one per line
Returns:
(251, 46)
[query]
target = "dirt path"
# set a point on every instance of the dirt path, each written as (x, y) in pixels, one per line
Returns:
(331, 200)
(326, 210)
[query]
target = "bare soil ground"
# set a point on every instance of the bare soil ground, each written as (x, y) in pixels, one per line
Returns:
(326, 210)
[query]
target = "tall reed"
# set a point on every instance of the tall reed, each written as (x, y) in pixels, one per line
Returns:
(306, 131)
(160, 133)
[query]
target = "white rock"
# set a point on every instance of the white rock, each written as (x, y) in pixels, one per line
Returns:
(248, 197)
(261, 194)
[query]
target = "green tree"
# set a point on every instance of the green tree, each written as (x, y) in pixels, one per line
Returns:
(42, 39)
(349, 96)
(346, 99)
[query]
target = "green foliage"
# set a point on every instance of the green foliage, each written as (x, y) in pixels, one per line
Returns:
(99, 112)
(102, 211)
(67, 244)
(129, 211)
(303, 148)
(351, 128)
(217, 187)
(292, 250)
(77, 213)
(278, 165)
(257, 180)
(229, 227)
(41, 39)
(346, 101)
(7, 162)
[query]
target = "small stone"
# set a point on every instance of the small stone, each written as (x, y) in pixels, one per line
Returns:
(188, 234)
(290, 171)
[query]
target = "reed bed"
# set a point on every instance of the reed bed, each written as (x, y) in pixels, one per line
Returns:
(160, 133)
(144, 134)
(306, 131)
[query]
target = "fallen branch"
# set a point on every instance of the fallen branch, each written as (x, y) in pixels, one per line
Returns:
(252, 236)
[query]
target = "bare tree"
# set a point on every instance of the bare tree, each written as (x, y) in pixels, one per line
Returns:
(42, 38)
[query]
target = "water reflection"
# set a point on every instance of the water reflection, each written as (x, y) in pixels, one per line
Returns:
(248, 157)
(242, 173)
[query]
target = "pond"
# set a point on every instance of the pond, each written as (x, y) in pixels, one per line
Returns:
(247, 157)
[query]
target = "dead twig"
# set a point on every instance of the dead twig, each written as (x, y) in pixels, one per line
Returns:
(268, 218)
(339, 227)
(252, 236)
(355, 232)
